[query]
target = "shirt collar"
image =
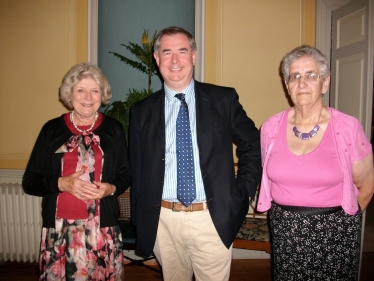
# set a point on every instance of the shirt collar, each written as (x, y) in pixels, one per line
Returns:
(189, 90)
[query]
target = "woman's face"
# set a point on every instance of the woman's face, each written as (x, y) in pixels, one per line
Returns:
(86, 97)
(304, 92)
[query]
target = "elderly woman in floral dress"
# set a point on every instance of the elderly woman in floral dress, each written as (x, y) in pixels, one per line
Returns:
(79, 166)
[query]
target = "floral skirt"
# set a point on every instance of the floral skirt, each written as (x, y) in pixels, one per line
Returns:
(81, 250)
(315, 247)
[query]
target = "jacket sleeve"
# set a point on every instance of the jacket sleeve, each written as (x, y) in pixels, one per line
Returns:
(122, 177)
(135, 155)
(247, 138)
(38, 179)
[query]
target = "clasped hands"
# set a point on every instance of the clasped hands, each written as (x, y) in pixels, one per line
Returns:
(84, 190)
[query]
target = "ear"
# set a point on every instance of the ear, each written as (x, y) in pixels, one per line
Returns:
(326, 84)
(286, 84)
(194, 57)
(157, 58)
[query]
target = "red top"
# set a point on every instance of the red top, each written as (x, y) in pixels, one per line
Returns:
(69, 206)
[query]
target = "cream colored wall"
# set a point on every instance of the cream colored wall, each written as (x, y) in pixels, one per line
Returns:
(81, 29)
(40, 41)
(246, 40)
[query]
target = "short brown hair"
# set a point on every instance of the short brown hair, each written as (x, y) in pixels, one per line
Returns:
(173, 30)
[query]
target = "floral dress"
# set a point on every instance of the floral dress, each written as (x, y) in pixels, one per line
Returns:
(79, 249)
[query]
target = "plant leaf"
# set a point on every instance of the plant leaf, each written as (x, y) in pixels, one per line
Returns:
(134, 64)
(145, 63)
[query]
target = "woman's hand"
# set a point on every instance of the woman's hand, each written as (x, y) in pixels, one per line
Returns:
(105, 189)
(84, 190)
(363, 178)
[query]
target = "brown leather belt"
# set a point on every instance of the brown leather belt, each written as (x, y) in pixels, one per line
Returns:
(179, 207)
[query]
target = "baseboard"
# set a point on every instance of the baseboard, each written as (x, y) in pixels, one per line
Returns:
(236, 254)
(150, 262)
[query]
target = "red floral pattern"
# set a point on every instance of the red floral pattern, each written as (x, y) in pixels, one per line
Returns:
(81, 250)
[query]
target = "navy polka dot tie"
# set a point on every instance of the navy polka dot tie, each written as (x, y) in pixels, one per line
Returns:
(186, 190)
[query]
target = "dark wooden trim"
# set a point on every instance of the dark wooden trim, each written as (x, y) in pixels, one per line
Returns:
(252, 245)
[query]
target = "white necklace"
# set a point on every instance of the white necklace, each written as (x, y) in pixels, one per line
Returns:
(76, 127)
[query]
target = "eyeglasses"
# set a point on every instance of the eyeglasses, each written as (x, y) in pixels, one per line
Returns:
(311, 76)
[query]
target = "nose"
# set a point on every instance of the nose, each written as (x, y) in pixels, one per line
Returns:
(301, 81)
(174, 58)
(88, 95)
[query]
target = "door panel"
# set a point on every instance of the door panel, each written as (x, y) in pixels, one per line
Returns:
(349, 84)
(351, 49)
(351, 29)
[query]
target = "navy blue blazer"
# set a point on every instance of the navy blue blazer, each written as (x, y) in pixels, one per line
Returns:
(220, 121)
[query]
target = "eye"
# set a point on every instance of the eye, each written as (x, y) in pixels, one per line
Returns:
(294, 77)
(311, 76)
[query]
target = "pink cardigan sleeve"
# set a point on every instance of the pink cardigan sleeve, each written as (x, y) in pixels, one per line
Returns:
(268, 131)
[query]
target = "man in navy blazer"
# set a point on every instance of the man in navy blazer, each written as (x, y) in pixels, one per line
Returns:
(194, 239)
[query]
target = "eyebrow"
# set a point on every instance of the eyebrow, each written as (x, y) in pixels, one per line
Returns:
(84, 88)
(169, 50)
(310, 71)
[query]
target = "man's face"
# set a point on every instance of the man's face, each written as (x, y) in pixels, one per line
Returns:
(175, 60)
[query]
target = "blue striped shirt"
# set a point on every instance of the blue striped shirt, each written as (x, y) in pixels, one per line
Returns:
(172, 105)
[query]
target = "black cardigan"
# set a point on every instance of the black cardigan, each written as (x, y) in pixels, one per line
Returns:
(44, 167)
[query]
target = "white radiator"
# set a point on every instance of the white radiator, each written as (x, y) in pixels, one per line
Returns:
(20, 220)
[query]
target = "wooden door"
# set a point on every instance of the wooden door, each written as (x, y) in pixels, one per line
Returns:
(351, 61)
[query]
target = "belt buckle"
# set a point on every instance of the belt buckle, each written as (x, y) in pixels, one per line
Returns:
(173, 207)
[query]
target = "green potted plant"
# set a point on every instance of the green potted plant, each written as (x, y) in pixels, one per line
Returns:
(145, 63)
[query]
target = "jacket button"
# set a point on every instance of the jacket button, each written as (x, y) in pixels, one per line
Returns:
(163, 159)
(158, 205)
(162, 182)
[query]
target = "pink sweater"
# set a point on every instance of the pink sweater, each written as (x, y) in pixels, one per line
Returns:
(351, 145)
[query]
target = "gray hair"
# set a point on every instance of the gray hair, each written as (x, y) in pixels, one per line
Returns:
(76, 74)
(305, 51)
(173, 30)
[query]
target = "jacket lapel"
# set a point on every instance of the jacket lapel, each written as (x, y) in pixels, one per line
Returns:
(158, 117)
(203, 113)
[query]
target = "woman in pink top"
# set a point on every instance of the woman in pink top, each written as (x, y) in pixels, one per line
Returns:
(317, 177)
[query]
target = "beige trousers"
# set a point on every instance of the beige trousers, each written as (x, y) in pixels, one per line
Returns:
(187, 243)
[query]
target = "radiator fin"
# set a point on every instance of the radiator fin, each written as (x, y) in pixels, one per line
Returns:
(20, 224)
